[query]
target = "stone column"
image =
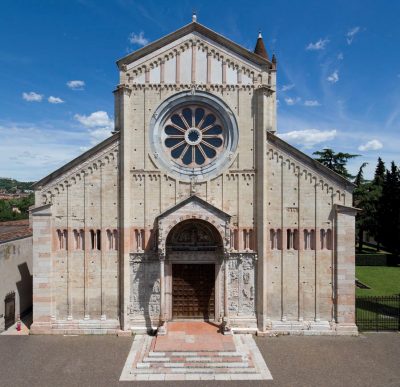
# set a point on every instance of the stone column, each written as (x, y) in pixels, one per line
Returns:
(345, 269)
(43, 307)
(225, 327)
(162, 327)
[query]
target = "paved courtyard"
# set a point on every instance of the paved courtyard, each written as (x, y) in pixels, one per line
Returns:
(369, 360)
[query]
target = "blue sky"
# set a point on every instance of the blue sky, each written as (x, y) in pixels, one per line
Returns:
(338, 71)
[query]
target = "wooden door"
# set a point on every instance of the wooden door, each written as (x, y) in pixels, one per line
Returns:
(9, 315)
(193, 294)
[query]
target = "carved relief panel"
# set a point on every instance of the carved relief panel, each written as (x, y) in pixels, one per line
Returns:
(145, 286)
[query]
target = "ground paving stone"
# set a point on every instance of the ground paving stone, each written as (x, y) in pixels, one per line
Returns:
(367, 361)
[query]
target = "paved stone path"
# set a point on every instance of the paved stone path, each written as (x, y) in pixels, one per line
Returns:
(370, 360)
(194, 351)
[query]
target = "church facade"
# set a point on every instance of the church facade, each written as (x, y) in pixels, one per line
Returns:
(194, 208)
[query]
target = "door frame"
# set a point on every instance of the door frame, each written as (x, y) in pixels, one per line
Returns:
(9, 320)
(218, 277)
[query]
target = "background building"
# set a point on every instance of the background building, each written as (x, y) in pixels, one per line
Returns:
(15, 271)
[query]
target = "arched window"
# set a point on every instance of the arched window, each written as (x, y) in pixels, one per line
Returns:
(292, 241)
(296, 239)
(116, 240)
(279, 239)
(323, 239)
(307, 240)
(110, 240)
(329, 239)
(273, 239)
(82, 239)
(60, 240)
(98, 237)
(92, 239)
(65, 240)
(251, 239)
(312, 239)
(245, 239)
(139, 236)
(77, 237)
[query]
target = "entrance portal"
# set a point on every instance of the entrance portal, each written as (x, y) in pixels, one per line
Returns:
(193, 291)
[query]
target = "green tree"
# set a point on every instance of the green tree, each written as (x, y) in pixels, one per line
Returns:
(389, 209)
(335, 161)
(23, 204)
(364, 197)
(377, 221)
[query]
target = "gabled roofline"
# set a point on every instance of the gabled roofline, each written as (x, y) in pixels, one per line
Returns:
(76, 161)
(339, 179)
(191, 27)
(192, 198)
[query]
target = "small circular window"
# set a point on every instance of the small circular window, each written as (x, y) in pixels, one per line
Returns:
(193, 135)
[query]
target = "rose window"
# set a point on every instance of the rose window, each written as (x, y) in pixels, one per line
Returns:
(193, 136)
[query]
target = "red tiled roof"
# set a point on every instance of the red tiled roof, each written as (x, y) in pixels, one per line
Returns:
(15, 229)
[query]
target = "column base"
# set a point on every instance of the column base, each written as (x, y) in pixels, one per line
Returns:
(162, 329)
(225, 327)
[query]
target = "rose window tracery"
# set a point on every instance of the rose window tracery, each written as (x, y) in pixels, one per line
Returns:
(194, 135)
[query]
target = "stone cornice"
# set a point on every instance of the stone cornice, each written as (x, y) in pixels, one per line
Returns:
(346, 209)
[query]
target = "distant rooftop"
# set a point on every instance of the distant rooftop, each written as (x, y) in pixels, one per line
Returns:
(15, 229)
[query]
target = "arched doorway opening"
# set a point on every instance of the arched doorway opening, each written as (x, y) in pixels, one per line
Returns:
(194, 249)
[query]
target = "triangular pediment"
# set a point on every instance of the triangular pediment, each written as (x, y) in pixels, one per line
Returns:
(193, 54)
(192, 208)
(192, 205)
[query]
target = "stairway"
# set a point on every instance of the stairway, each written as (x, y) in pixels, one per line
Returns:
(242, 362)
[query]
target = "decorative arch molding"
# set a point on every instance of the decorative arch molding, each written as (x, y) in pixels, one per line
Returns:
(151, 70)
(193, 208)
(305, 173)
(75, 175)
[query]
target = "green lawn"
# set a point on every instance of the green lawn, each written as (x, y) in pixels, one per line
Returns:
(383, 281)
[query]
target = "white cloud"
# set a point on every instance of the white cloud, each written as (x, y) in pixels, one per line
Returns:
(29, 151)
(334, 77)
(351, 34)
(340, 56)
(99, 125)
(76, 85)
(32, 97)
(287, 87)
(311, 103)
(319, 45)
(308, 137)
(138, 39)
(291, 101)
(371, 145)
(55, 100)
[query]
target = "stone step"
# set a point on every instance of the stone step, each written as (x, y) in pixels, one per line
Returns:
(193, 359)
(192, 370)
(211, 365)
(195, 354)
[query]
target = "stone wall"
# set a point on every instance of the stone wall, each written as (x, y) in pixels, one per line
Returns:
(16, 275)
(81, 232)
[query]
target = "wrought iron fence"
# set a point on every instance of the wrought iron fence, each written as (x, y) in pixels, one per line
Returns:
(378, 313)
